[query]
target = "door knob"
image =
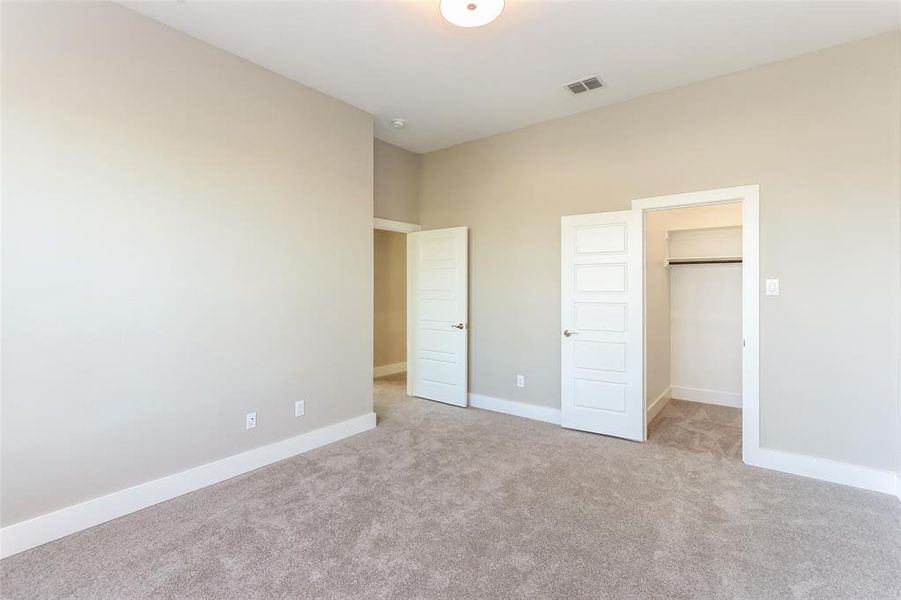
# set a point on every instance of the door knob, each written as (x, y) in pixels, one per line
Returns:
(459, 326)
(569, 333)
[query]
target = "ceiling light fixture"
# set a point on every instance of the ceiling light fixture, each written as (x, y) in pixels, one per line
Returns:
(471, 13)
(398, 123)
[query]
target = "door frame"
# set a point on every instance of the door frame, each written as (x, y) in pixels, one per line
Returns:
(749, 196)
(399, 226)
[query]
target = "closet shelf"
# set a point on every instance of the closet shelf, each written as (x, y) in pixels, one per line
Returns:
(703, 260)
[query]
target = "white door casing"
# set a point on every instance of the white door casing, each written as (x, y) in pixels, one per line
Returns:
(749, 196)
(437, 310)
(601, 324)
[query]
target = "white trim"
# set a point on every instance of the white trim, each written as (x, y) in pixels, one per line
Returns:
(519, 409)
(717, 196)
(749, 196)
(51, 526)
(706, 396)
(398, 226)
(858, 476)
(750, 320)
(391, 369)
(659, 404)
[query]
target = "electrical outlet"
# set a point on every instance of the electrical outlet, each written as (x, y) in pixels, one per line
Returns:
(520, 381)
(298, 408)
(251, 420)
(772, 287)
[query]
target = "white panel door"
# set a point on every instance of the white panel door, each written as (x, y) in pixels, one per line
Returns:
(437, 307)
(601, 321)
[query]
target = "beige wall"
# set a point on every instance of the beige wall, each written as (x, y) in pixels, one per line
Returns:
(657, 283)
(397, 174)
(186, 238)
(390, 342)
(819, 133)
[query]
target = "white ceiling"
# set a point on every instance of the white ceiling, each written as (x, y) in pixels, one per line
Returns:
(401, 59)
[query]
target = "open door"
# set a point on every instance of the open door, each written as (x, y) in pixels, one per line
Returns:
(437, 308)
(601, 323)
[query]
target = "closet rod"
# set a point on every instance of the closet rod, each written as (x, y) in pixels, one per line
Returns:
(722, 261)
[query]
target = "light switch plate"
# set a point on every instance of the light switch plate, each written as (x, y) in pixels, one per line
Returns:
(772, 287)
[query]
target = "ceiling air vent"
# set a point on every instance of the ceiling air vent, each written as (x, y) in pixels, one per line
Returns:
(584, 85)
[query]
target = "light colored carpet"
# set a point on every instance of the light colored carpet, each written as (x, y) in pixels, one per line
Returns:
(442, 502)
(700, 428)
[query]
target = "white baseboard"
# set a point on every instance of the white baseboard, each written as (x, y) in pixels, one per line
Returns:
(51, 526)
(858, 476)
(518, 409)
(657, 405)
(392, 369)
(706, 396)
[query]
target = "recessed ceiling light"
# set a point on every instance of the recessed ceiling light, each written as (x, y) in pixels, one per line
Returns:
(398, 123)
(471, 13)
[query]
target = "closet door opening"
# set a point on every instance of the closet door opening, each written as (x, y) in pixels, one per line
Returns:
(693, 328)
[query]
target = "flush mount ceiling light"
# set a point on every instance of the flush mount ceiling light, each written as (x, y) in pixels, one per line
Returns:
(471, 13)
(398, 123)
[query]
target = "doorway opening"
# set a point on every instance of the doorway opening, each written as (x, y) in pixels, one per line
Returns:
(603, 366)
(747, 304)
(420, 307)
(389, 328)
(693, 328)
(389, 335)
